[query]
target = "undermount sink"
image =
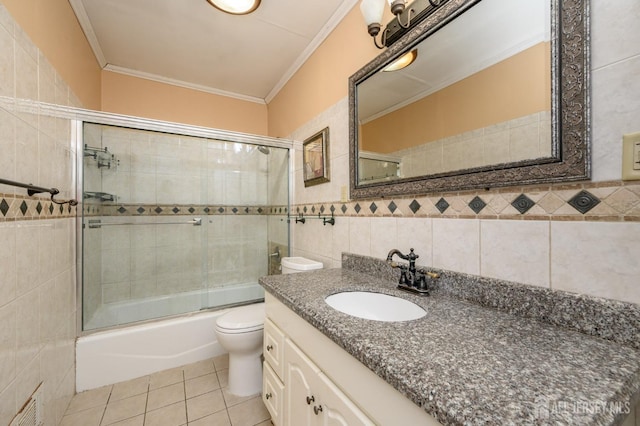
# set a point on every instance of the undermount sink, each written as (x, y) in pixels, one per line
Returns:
(375, 306)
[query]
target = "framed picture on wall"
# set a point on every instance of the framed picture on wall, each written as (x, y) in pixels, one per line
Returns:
(315, 158)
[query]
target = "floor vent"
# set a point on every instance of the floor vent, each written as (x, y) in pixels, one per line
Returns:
(31, 412)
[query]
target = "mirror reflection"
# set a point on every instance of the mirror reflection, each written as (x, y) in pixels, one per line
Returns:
(477, 95)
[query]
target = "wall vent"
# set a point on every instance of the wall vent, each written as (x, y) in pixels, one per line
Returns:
(31, 412)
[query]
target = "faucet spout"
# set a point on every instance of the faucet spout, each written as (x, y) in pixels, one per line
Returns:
(394, 252)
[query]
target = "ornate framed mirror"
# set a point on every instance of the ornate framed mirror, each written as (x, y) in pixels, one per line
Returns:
(498, 95)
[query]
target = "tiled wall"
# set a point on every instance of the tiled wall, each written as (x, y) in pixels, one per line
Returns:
(524, 138)
(37, 255)
(552, 244)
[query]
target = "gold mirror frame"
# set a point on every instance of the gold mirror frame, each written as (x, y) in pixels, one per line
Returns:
(570, 158)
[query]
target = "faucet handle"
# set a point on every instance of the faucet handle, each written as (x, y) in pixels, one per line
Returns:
(412, 256)
(422, 283)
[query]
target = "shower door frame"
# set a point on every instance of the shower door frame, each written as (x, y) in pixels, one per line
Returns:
(78, 117)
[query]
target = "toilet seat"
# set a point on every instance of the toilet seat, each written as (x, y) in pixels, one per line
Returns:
(242, 320)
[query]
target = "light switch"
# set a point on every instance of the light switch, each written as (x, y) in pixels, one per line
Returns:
(631, 156)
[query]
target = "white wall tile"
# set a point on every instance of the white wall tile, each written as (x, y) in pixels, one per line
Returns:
(615, 32)
(8, 278)
(616, 111)
(515, 251)
(7, 345)
(7, 62)
(360, 235)
(384, 236)
(340, 239)
(600, 259)
(416, 233)
(456, 245)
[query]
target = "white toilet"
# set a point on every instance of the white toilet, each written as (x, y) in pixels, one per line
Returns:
(291, 265)
(240, 332)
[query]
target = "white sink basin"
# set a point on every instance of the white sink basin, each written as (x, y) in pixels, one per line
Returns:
(375, 306)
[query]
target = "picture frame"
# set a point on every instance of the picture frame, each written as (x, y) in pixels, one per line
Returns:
(315, 158)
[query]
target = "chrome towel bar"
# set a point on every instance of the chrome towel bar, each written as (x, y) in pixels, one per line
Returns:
(97, 223)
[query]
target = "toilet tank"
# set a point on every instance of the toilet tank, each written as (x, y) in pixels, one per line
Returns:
(291, 265)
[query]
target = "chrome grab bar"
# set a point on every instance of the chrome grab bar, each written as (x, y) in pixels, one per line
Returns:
(97, 223)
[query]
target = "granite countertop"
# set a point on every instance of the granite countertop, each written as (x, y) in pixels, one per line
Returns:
(468, 364)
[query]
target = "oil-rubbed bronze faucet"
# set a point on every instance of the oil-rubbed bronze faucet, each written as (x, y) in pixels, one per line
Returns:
(410, 279)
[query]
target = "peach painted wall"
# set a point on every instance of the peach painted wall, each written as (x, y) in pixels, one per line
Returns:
(512, 88)
(323, 79)
(124, 94)
(54, 29)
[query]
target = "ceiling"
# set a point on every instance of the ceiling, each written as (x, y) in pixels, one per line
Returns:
(192, 44)
(486, 34)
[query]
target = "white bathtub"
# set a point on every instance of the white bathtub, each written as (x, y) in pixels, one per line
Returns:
(114, 356)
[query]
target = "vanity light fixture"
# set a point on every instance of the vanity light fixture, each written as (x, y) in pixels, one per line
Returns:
(373, 10)
(235, 7)
(402, 62)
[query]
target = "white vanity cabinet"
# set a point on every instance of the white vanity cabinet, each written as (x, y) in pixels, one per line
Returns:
(309, 380)
(273, 371)
(311, 398)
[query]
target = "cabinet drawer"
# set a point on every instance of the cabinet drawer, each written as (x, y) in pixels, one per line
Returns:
(273, 347)
(272, 394)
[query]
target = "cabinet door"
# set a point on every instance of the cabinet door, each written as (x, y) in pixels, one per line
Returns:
(272, 394)
(335, 408)
(299, 382)
(273, 347)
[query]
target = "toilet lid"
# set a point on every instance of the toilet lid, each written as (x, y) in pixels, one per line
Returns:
(245, 318)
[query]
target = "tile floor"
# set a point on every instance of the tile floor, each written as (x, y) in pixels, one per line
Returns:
(193, 395)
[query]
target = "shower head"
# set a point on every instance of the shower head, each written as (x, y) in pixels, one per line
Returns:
(264, 149)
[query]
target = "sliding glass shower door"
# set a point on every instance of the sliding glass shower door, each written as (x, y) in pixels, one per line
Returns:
(175, 224)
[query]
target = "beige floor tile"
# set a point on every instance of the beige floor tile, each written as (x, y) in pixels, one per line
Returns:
(221, 362)
(204, 405)
(199, 369)
(223, 378)
(249, 413)
(133, 421)
(165, 396)
(89, 417)
(231, 399)
(130, 388)
(221, 418)
(171, 415)
(124, 409)
(165, 378)
(202, 384)
(89, 399)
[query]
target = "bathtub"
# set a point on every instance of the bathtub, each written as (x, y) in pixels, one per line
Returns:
(113, 356)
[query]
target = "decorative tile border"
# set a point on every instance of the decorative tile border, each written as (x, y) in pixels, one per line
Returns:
(613, 201)
(16, 207)
(181, 210)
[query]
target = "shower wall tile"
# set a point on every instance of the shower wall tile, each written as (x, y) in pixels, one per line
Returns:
(28, 342)
(7, 343)
(8, 265)
(7, 61)
(26, 69)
